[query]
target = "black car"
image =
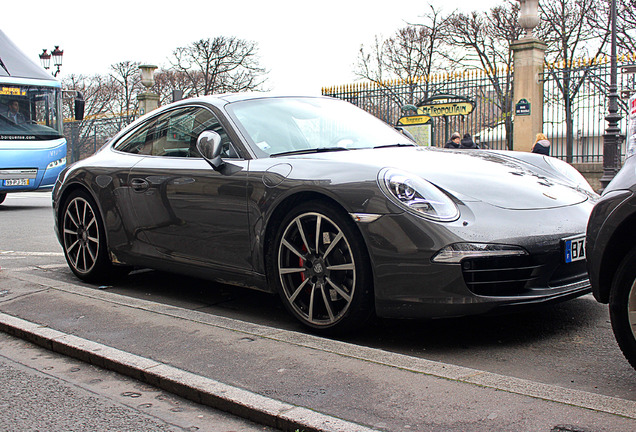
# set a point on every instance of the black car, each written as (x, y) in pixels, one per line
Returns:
(333, 209)
(611, 254)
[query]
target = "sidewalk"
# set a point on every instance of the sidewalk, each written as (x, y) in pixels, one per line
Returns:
(285, 379)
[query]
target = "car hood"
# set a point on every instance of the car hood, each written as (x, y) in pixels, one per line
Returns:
(499, 180)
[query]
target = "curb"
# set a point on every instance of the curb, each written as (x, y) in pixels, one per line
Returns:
(202, 390)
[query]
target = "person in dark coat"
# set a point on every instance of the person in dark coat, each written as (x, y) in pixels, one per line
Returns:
(468, 143)
(541, 145)
(453, 142)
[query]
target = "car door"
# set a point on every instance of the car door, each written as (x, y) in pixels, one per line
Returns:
(187, 211)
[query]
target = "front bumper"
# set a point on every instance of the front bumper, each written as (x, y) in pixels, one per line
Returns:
(408, 284)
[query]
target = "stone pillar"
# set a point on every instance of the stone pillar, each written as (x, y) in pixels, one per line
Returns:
(147, 102)
(529, 57)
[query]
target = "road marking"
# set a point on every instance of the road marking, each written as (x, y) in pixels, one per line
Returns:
(524, 387)
(21, 253)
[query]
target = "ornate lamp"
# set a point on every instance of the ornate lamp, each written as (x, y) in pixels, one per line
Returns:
(45, 59)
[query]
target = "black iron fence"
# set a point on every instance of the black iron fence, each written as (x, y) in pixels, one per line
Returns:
(574, 96)
(573, 119)
(491, 92)
(86, 137)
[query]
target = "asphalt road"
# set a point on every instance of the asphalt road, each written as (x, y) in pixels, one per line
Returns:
(569, 345)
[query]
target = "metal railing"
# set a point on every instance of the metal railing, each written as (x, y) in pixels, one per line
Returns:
(491, 91)
(492, 120)
(86, 137)
(490, 123)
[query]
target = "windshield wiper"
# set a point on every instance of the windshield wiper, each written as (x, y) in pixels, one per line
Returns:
(309, 150)
(394, 145)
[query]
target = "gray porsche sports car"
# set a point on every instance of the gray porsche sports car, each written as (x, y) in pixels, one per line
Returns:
(336, 211)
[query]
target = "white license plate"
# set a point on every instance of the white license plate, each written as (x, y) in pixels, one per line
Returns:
(16, 182)
(574, 248)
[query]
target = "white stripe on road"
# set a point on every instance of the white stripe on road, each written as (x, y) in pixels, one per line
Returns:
(22, 253)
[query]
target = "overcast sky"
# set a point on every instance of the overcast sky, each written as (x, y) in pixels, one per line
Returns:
(304, 45)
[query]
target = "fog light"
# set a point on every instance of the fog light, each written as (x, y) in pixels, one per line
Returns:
(456, 252)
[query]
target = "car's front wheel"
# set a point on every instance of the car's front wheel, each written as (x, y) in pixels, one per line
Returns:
(623, 307)
(84, 241)
(322, 268)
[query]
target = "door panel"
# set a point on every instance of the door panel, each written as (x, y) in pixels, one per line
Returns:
(192, 213)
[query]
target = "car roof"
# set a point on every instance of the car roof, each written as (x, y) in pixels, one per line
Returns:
(223, 99)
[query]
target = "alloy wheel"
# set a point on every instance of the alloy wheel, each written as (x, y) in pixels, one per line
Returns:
(81, 235)
(317, 269)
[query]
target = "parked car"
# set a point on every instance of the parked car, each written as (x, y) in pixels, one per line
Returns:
(611, 241)
(331, 208)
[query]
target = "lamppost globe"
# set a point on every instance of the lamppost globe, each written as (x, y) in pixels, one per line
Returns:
(57, 56)
(45, 59)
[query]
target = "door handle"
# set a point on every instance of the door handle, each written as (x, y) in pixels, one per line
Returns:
(139, 184)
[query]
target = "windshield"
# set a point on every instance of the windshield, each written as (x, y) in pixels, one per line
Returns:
(283, 125)
(29, 113)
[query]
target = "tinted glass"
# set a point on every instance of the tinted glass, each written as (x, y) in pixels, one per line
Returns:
(174, 134)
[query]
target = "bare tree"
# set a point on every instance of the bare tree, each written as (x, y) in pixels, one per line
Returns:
(572, 29)
(222, 64)
(98, 92)
(486, 38)
(127, 80)
(411, 54)
(167, 80)
(625, 22)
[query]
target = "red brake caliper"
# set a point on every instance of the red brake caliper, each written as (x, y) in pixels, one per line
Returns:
(301, 263)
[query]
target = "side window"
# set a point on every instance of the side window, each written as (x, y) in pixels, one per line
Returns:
(175, 133)
(140, 142)
(205, 120)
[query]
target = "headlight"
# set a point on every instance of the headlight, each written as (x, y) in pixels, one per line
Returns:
(570, 172)
(417, 196)
(56, 163)
(456, 252)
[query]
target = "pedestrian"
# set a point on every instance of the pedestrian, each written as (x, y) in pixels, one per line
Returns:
(541, 145)
(468, 143)
(453, 142)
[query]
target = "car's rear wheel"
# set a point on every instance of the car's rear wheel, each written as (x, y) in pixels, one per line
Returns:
(322, 268)
(84, 241)
(623, 307)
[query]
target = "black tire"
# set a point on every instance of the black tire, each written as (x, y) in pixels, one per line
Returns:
(623, 307)
(2, 197)
(84, 240)
(321, 268)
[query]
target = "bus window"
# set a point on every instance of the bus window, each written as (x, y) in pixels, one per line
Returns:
(29, 112)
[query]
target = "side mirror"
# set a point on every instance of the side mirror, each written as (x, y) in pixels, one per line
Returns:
(79, 107)
(209, 145)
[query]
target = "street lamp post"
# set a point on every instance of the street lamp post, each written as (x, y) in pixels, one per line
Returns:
(612, 137)
(45, 59)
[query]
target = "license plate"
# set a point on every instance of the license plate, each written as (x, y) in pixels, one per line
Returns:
(16, 182)
(574, 248)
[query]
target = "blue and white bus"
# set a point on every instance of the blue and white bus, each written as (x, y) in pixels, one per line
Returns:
(32, 146)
